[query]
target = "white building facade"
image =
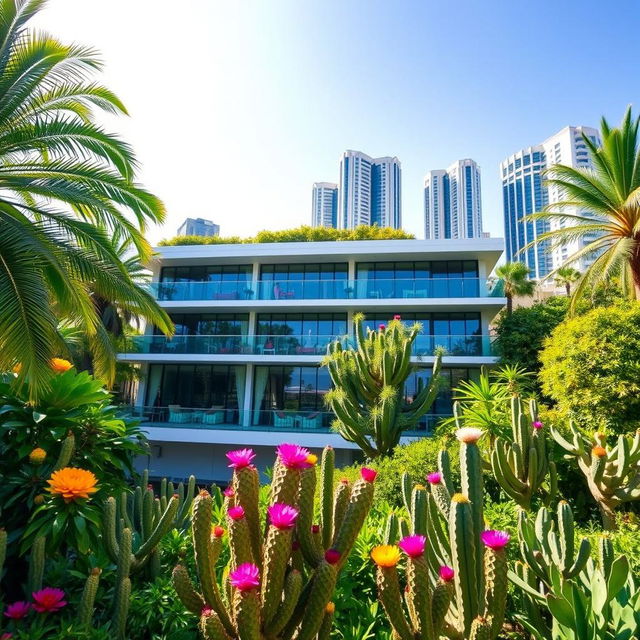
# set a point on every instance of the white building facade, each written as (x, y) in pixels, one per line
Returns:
(524, 192)
(324, 208)
(370, 191)
(253, 322)
(453, 202)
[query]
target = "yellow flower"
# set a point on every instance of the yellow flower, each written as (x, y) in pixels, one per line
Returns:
(60, 365)
(330, 608)
(386, 555)
(312, 458)
(72, 484)
(459, 498)
(37, 456)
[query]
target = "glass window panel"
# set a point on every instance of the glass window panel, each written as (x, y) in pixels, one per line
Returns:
(470, 268)
(169, 384)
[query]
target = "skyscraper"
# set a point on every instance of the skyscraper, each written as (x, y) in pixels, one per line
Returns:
(198, 227)
(369, 191)
(324, 210)
(524, 192)
(453, 201)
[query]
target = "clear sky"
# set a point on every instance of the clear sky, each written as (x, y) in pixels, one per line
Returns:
(237, 107)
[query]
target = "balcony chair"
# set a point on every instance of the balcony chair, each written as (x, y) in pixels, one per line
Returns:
(213, 416)
(311, 421)
(281, 294)
(282, 420)
(177, 414)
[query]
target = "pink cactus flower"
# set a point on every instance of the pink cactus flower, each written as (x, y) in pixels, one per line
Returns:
(6, 636)
(241, 458)
(381, 327)
(206, 611)
(236, 513)
(282, 516)
(48, 599)
(397, 317)
(368, 475)
(413, 546)
(495, 539)
(332, 556)
(229, 492)
(245, 577)
(218, 531)
(17, 610)
(434, 477)
(446, 573)
(294, 456)
(537, 424)
(315, 528)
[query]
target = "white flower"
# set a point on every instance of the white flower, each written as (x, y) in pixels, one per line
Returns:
(469, 435)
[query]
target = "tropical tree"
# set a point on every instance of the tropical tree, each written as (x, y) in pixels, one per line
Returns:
(601, 203)
(565, 277)
(66, 189)
(514, 279)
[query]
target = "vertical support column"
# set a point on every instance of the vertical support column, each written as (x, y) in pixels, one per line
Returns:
(255, 280)
(351, 274)
(248, 395)
(482, 278)
(142, 386)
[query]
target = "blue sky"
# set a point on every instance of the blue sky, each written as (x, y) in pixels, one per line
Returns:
(238, 107)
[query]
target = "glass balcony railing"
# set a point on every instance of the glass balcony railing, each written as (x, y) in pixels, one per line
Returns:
(294, 345)
(337, 289)
(299, 421)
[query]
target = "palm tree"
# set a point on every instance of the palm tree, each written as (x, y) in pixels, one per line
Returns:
(601, 203)
(514, 277)
(565, 277)
(66, 188)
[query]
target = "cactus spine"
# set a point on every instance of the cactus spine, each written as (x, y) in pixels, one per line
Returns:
(613, 475)
(368, 383)
(278, 594)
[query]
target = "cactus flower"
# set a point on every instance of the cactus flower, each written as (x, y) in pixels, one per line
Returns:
(6, 636)
(218, 531)
(495, 539)
(330, 608)
(245, 577)
(282, 516)
(294, 456)
(413, 546)
(386, 555)
(17, 610)
(598, 451)
(315, 528)
(469, 435)
(229, 492)
(397, 317)
(460, 498)
(368, 475)
(312, 458)
(241, 458)
(236, 513)
(446, 573)
(72, 484)
(48, 599)
(381, 327)
(537, 424)
(60, 365)
(332, 556)
(37, 456)
(434, 478)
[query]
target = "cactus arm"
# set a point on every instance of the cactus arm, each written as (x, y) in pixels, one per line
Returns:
(246, 484)
(326, 495)
(146, 521)
(496, 582)
(277, 550)
(322, 588)
(304, 522)
(189, 597)
(246, 609)
(420, 595)
(291, 594)
(161, 529)
(109, 529)
(473, 489)
(325, 628)
(443, 593)
(389, 594)
(584, 551)
(341, 502)
(419, 511)
(66, 452)
(211, 627)
(87, 599)
(406, 487)
(444, 466)
(359, 506)
(36, 564)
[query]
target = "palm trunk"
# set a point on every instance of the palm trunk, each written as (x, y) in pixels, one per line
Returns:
(634, 263)
(509, 305)
(567, 286)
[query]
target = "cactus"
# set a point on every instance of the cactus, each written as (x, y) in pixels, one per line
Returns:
(521, 466)
(66, 452)
(368, 382)
(466, 599)
(613, 475)
(279, 583)
(36, 564)
(87, 600)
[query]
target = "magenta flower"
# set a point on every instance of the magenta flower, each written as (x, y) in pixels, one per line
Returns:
(48, 599)
(282, 516)
(218, 531)
(241, 458)
(434, 478)
(229, 492)
(446, 573)
(294, 456)
(537, 424)
(413, 546)
(397, 317)
(495, 539)
(17, 610)
(315, 528)
(368, 475)
(332, 556)
(236, 513)
(381, 327)
(6, 636)
(245, 577)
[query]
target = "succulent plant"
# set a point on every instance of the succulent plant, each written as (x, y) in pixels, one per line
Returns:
(279, 581)
(613, 475)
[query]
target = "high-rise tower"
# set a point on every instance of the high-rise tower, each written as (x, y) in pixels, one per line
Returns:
(324, 210)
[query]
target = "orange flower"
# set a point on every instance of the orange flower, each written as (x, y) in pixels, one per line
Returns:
(599, 451)
(330, 608)
(37, 456)
(72, 484)
(59, 365)
(386, 555)
(312, 458)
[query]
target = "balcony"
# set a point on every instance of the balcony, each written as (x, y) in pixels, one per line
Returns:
(293, 345)
(338, 289)
(280, 420)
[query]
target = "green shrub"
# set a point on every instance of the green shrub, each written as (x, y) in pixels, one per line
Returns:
(591, 368)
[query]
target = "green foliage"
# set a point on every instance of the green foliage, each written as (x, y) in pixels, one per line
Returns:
(514, 281)
(591, 368)
(299, 234)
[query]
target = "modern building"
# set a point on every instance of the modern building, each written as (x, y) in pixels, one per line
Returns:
(324, 209)
(524, 192)
(198, 227)
(370, 191)
(253, 322)
(453, 202)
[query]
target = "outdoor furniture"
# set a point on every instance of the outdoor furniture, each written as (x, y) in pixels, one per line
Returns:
(282, 420)
(196, 416)
(311, 421)
(226, 296)
(213, 417)
(268, 347)
(281, 294)
(177, 415)
(306, 350)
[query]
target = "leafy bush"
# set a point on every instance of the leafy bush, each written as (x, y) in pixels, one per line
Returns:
(591, 368)
(299, 234)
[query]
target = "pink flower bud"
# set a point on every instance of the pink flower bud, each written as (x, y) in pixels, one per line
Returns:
(413, 546)
(236, 513)
(368, 475)
(332, 556)
(446, 573)
(434, 478)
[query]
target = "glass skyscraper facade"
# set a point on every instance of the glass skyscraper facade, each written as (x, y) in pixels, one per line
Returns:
(324, 208)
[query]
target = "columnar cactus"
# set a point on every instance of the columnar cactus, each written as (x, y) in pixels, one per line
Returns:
(613, 475)
(278, 584)
(521, 466)
(368, 394)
